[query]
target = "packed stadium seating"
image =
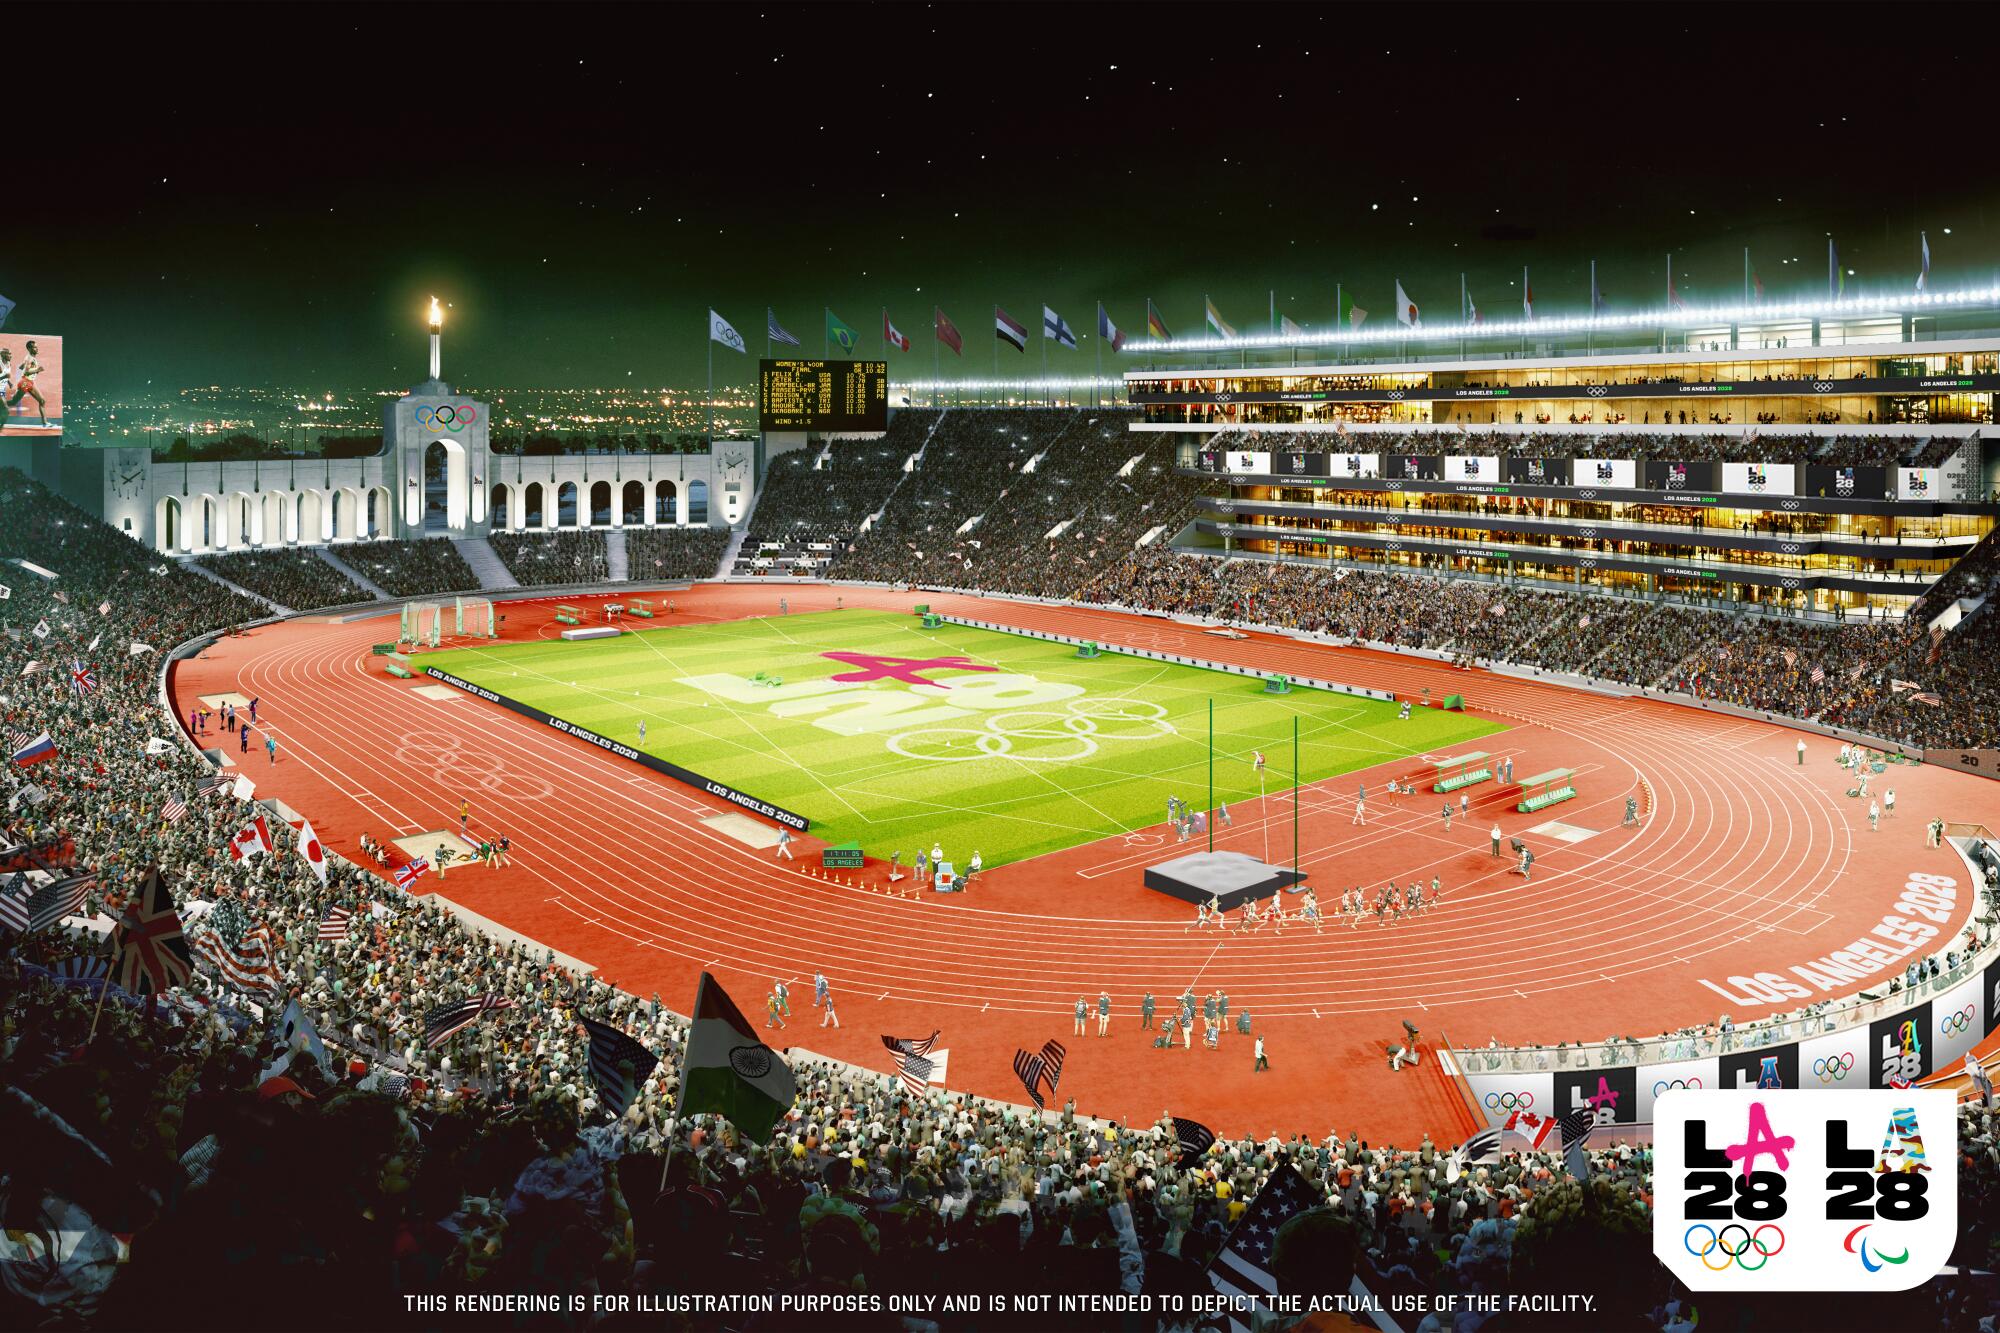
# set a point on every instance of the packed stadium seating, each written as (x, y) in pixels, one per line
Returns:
(674, 553)
(296, 579)
(539, 559)
(1695, 446)
(411, 568)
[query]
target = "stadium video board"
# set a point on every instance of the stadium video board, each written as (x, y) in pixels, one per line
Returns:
(823, 395)
(31, 384)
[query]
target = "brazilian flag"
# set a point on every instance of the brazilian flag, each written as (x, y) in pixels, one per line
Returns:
(840, 335)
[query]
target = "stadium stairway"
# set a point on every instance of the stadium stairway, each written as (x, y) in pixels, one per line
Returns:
(735, 547)
(365, 585)
(488, 568)
(193, 567)
(618, 566)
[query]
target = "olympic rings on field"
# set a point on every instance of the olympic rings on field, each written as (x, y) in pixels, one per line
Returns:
(1510, 1101)
(1665, 1084)
(447, 417)
(1957, 1022)
(1719, 1240)
(1833, 1068)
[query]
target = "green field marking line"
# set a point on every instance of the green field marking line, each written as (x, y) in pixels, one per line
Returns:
(855, 788)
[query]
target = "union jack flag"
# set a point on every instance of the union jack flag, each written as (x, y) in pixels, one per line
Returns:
(406, 875)
(82, 679)
(445, 1020)
(152, 954)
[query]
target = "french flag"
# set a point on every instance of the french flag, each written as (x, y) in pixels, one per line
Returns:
(30, 752)
(1108, 331)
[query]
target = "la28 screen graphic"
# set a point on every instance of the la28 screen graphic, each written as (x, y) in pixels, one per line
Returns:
(1795, 1189)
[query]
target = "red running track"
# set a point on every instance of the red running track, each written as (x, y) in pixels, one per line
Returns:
(1744, 861)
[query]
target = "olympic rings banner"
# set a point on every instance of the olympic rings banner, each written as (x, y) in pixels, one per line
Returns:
(755, 805)
(447, 418)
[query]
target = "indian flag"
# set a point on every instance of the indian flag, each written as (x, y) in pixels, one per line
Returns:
(729, 1071)
(1217, 325)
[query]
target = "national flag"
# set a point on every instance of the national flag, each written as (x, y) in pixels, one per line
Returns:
(104, 608)
(82, 967)
(212, 783)
(1287, 329)
(1924, 273)
(1576, 1130)
(892, 335)
(1534, 1128)
(1108, 331)
(1055, 326)
(1596, 294)
(1928, 697)
(1527, 296)
(1350, 314)
(5, 592)
(1406, 309)
(253, 840)
(1479, 1150)
(1194, 1139)
(61, 596)
(6, 309)
(440, 1023)
(31, 669)
(310, 849)
(152, 953)
(296, 1033)
(1241, 1271)
(337, 923)
(1674, 301)
(1899, 686)
(1217, 325)
(947, 332)
(619, 1066)
(721, 331)
(838, 334)
(729, 1071)
(95, 639)
(913, 1060)
(1791, 656)
(775, 331)
(1009, 330)
(1836, 276)
(41, 629)
(141, 649)
(1818, 676)
(249, 965)
(1155, 326)
(406, 874)
(28, 751)
(24, 908)
(1854, 673)
(174, 809)
(1472, 310)
(1045, 1066)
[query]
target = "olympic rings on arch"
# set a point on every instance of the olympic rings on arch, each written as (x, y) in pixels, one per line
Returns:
(1833, 1068)
(1510, 1101)
(1665, 1084)
(447, 417)
(1719, 1240)
(1956, 1022)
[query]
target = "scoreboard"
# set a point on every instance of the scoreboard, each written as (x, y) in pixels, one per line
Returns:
(823, 395)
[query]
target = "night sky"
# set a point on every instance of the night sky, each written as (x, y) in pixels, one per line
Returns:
(265, 195)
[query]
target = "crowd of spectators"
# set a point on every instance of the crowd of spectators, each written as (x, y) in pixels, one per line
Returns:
(824, 493)
(1843, 450)
(538, 559)
(674, 553)
(298, 580)
(411, 568)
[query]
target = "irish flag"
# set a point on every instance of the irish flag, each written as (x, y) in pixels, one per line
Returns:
(729, 1071)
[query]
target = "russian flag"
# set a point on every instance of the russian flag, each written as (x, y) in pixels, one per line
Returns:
(35, 751)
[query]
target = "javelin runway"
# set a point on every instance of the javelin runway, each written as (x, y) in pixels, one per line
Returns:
(1744, 861)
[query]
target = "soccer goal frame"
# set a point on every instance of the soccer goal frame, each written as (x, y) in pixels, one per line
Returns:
(414, 629)
(477, 612)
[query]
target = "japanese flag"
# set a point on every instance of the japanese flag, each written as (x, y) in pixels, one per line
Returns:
(310, 849)
(251, 841)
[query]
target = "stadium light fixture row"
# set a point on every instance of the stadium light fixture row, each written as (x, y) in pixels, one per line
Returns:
(1022, 386)
(1764, 312)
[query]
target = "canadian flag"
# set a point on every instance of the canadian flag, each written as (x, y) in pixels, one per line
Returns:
(251, 841)
(310, 849)
(892, 335)
(1534, 1128)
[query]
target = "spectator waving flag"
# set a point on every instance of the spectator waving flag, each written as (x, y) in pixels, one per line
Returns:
(1534, 1128)
(916, 1064)
(1055, 326)
(214, 782)
(337, 923)
(619, 1065)
(309, 848)
(82, 679)
(252, 841)
(1194, 1138)
(23, 908)
(1480, 1149)
(406, 874)
(175, 808)
(446, 1019)
(152, 953)
(729, 1071)
(1242, 1270)
(1818, 674)
(249, 965)
(1045, 1066)
(27, 751)
(776, 331)
(1576, 1130)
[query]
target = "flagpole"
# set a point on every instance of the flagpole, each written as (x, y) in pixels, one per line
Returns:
(1590, 329)
(711, 387)
(1095, 386)
(937, 357)
(1211, 773)
(825, 329)
(1746, 275)
(1295, 796)
(1045, 359)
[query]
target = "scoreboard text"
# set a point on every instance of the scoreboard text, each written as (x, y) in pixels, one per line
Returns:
(823, 395)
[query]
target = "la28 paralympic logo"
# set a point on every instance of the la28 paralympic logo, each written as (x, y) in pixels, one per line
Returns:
(1793, 1189)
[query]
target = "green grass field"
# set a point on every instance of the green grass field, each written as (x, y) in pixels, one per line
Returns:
(1043, 752)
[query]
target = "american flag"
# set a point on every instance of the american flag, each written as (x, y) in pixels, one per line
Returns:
(336, 923)
(152, 952)
(250, 965)
(213, 782)
(441, 1022)
(23, 908)
(1194, 1138)
(913, 1063)
(1033, 1070)
(611, 1052)
(1242, 1270)
(82, 679)
(1576, 1131)
(175, 808)
(1818, 674)
(84, 967)
(395, 1085)
(406, 875)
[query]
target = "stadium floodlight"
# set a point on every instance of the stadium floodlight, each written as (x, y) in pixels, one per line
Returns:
(1764, 312)
(1018, 386)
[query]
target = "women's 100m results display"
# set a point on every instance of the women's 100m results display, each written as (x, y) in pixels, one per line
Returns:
(823, 395)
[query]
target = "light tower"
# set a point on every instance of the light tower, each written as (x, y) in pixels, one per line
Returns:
(437, 335)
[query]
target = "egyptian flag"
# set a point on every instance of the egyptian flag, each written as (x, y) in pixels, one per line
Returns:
(1009, 330)
(947, 332)
(729, 1071)
(151, 953)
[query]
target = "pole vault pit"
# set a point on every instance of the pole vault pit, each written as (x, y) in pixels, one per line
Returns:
(1230, 878)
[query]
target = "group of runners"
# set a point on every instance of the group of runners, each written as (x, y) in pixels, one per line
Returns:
(1212, 913)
